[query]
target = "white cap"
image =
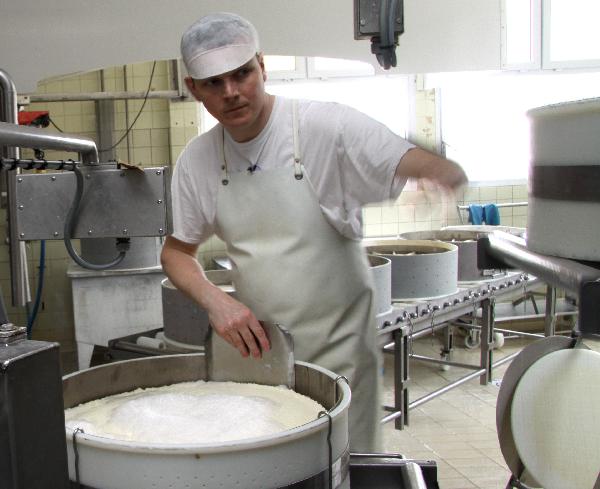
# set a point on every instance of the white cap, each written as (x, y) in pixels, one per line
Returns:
(218, 43)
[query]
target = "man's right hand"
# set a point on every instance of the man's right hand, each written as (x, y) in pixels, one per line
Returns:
(237, 325)
(231, 319)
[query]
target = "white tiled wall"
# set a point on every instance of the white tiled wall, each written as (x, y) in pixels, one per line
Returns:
(418, 210)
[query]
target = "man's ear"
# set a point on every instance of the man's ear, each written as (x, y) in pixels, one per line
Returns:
(261, 61)
(190, 83)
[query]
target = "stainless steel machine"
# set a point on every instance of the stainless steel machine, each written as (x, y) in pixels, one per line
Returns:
(72, 199)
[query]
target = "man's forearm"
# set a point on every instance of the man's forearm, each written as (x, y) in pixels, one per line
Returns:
(186, 274)
(421, 164)
(231, 319)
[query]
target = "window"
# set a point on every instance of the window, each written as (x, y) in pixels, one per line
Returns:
(383, 97)
(550, 34)
(521, 34)
(285, 67)
(483, 116)
(333, 67)
(571, 34)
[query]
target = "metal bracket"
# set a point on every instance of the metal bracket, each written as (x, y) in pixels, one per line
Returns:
(115, 204)
(9, 333)
(366, 18)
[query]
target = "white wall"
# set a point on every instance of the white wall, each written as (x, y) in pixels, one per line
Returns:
(56, 37)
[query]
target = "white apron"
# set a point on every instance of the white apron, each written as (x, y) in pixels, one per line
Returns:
(290, 266)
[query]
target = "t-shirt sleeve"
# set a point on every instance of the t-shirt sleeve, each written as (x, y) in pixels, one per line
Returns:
(369, 153)
(189, 204)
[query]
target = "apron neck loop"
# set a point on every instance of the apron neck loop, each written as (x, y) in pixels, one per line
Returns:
(224, 174)
(297, 161)
(297, 165)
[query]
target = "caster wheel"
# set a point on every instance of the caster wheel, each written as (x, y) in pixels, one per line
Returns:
(498, 340)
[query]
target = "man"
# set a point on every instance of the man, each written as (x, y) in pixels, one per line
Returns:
(282, 182)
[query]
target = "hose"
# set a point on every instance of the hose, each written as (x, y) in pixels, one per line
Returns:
(38, 294)
(70, 222)
(386, 51)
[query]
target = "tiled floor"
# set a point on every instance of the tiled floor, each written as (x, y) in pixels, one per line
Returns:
(457, 429)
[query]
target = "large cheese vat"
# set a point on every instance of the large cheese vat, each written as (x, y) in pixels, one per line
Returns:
(487, 228)
(381, 271)
(466, 241)
(421, 269)
(299, 454)
(564, 182)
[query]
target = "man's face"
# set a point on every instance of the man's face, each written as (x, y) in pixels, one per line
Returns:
(236, 98)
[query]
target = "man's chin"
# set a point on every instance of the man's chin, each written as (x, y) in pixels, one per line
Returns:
(232, 120)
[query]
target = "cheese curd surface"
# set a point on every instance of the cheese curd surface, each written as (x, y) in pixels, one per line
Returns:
(194, 413)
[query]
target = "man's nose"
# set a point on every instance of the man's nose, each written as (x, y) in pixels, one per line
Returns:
(230, 88)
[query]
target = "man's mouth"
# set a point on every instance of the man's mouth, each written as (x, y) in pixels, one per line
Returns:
(235, 109)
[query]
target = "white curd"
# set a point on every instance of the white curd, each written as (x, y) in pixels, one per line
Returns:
(194, 413)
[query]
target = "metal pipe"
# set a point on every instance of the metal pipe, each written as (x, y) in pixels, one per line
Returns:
(391, 417)
(422, 358)
(570, 275)
(389, 347)
(505, 359)
(32, 137)
(91, 96)
(414, 474)
(422, 400)
(507, 331)
(559, 272)
(439, 392)
(18, 265)
(8, 99)
(128, 133)
(506, 204)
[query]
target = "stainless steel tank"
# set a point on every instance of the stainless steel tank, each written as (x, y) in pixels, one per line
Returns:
(275, 461)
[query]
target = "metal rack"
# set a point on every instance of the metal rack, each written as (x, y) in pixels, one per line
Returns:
(581, 278)
(460, 208)
(409, 321)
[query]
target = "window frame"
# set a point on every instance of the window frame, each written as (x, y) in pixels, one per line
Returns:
(535, 38)
(540, 42)
(313, 72)
(547, 62)
(288, 75)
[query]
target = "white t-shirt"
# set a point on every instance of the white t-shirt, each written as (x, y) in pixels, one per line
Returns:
(349, 158)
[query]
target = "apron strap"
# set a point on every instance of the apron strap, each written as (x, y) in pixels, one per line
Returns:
(297, 164)
(224, 174)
